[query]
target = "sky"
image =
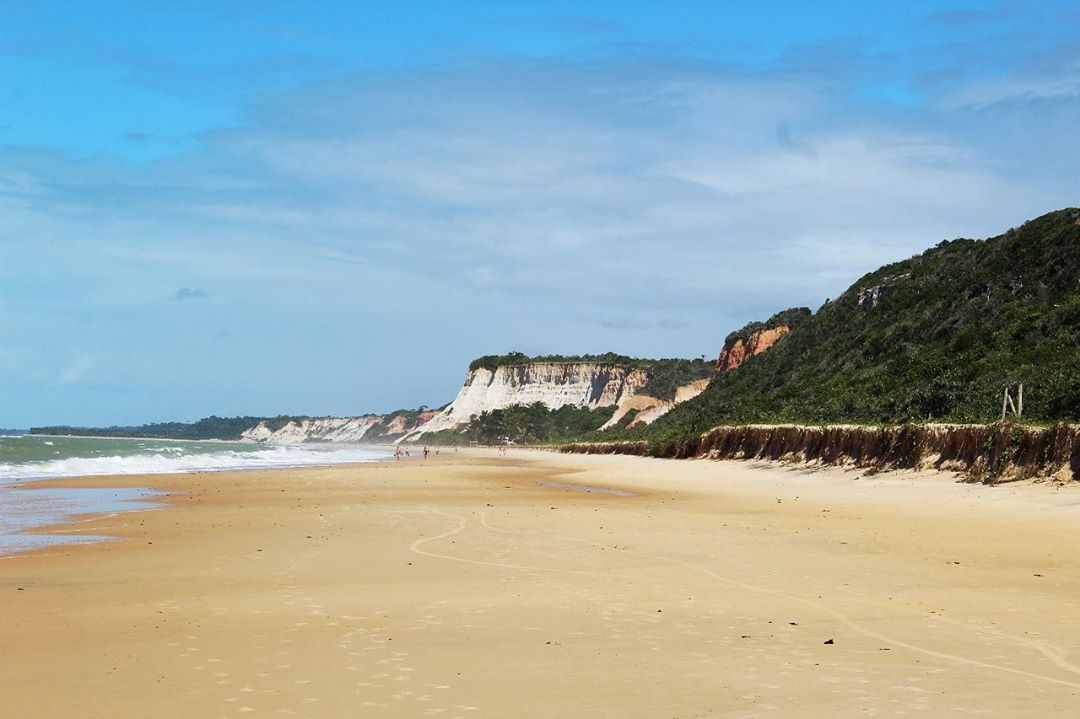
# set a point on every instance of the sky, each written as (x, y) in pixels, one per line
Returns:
(328, 208)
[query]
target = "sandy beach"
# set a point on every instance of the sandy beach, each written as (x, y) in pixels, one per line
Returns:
(478, 585)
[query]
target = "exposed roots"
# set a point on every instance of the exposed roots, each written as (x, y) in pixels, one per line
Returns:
(988, 453)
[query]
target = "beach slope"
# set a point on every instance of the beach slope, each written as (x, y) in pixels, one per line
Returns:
(542, 585)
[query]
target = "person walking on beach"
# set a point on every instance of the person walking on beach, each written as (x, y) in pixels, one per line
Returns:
(425, 452)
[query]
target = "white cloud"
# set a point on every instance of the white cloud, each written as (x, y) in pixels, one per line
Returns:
(75, 372)
(188, 293)
(491, 206)
(985, 94)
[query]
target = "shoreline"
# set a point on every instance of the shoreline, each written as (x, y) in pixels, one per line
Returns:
(1031, 493)
(149, 483)
(44, 495)
(396, 588)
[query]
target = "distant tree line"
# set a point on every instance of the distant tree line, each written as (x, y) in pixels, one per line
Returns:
(225, 428)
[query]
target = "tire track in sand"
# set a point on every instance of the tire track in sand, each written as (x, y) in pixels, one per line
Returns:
(1054, 656)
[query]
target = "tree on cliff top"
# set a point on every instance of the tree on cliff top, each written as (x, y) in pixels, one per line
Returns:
(665, 375)
(791, 318)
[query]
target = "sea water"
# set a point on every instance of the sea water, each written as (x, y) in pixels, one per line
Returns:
(30, 457)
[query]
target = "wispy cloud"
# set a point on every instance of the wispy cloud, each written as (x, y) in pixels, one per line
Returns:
(75, 372)
(961, 18)
(381, 218)
(982, 95)
(188, 293)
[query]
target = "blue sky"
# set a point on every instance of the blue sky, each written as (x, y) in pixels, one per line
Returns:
(329, 208)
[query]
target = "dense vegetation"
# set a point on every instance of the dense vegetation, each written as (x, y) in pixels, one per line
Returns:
(526, 424)
(408, 418)
(932, 338)
(206, 428)
(987, 453)
(225, 428)
(935, 337)
(792, 318)
(665, 375)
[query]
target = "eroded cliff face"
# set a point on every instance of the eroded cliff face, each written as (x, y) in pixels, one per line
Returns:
(368, 428)
(987, 453)
(401, 423)
(556, 384)
(649, 408)
(739, 349)
(336, 429)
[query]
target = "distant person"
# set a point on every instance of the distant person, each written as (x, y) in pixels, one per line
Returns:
(425, 452)
(397, 453)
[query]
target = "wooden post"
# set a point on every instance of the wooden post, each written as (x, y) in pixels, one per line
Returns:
(1004, 403)
(1020, 401)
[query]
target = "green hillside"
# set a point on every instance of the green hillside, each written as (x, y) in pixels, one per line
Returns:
(935, 337)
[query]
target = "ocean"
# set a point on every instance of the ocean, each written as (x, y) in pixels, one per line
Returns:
(29, 457)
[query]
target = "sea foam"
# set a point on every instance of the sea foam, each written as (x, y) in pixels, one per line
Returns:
(174, 460)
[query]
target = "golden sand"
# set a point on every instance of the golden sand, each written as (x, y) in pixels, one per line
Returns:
(462, 586)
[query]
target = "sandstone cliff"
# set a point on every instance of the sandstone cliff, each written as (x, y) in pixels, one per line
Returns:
(737, 350)
(556, 384)
(367, 428)
(757, 337)
(649, 408)
(335, 429)
(647, 388)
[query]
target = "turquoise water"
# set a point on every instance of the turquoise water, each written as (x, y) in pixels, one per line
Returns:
(26, 458)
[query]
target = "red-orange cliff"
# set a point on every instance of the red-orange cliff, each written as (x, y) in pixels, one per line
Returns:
(757, 337)
(739, 350)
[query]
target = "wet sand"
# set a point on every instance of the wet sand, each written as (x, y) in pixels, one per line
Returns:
(472, 585)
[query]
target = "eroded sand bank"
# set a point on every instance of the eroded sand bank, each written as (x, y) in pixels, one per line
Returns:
(472, 585)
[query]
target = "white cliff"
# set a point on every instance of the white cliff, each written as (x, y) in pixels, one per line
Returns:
(555, 384)
(334, 429)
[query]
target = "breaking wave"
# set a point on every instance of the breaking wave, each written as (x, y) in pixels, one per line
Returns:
(175, 460)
